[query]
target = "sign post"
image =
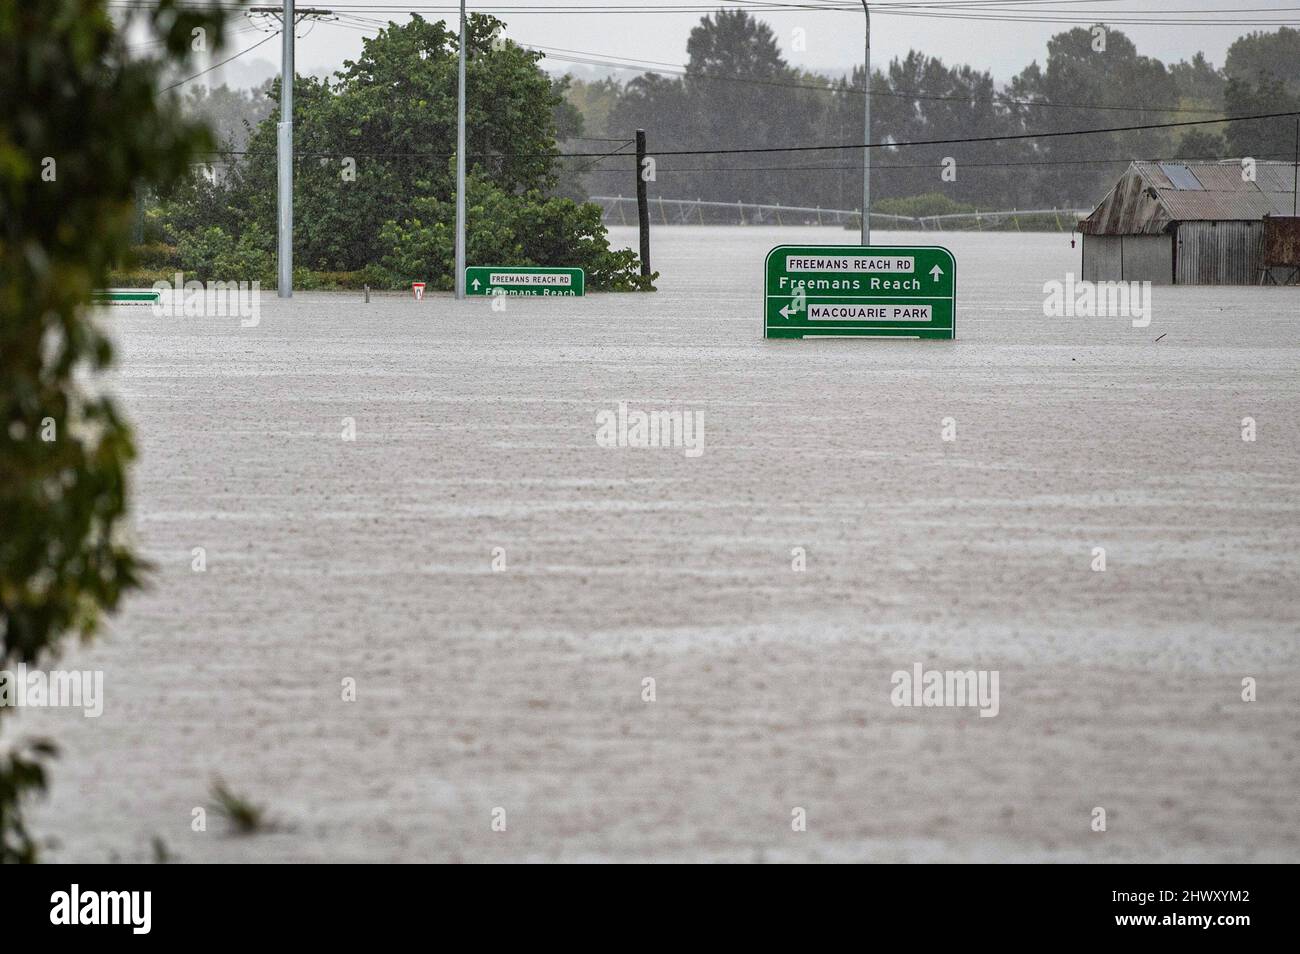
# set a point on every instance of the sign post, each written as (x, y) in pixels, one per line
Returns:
(846, 291)
(524, 280)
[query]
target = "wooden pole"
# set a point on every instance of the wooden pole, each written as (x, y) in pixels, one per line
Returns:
(642, 202)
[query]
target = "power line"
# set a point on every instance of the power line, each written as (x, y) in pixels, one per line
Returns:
(590, 167)
(1157, 19)
(214, 66)
(940, 11)
(753, 150)
(1010, 137)
(939, 165)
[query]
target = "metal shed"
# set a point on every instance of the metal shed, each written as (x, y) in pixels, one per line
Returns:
(1191, 223)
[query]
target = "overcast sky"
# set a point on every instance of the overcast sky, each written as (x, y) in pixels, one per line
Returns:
(833, 37)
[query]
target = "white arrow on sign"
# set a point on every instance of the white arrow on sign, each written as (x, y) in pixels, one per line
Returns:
(475, 283)
(788, 312)
(936, 272)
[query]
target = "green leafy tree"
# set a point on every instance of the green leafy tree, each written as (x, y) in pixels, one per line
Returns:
(1259, 56)
(594, 99)
(538, 230)
(1199, 83)
(930, 203)
(82, 129)
(1261, 138)
(373, 148)
(923, 98)
(1200, 143)
(738, 91)
(733, 44)
(1103, 68)
(1263, 77)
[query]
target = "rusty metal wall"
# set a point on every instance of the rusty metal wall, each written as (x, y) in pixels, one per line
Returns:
(1219, 253)
(1282, 240)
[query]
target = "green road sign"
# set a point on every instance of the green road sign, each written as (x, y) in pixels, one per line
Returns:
(524, 280)
(848, 291)
(124, 295)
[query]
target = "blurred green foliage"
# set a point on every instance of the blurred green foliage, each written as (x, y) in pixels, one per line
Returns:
(83, 128)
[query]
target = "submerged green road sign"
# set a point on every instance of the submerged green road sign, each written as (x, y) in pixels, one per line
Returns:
(125, 295)
(524, 280)
(847, 291)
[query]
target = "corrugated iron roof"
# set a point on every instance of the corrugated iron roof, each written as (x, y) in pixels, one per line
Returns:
(1217, 206)
(1224, 195)
(1276, 177)
(1216, 177)
(1283, 203)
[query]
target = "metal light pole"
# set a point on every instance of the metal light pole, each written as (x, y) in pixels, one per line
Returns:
(866, 139)
(284, 152)
(460, 163)
(284, 137)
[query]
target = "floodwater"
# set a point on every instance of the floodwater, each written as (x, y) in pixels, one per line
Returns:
(519, 693)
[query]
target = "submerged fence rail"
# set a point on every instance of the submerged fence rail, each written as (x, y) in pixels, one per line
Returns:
(621, 210)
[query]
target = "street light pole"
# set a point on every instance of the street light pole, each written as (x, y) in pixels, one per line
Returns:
(284, 137)
(460, 163)
(866, 139)
(284, 147)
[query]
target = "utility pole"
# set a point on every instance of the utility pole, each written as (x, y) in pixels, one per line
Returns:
(866, 139)
(284, 138)
(284, 154)
(642, 202)
(460, 163)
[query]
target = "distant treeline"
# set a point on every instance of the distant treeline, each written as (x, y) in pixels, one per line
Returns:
(739, 92)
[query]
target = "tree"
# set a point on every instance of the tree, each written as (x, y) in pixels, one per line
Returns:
(925, 99)
(1259, 56)
(393, 113)
(734, 45)
(1260, 138)
(528, 229)
(82, 129)
(1198, 82)
(738, 91)
(374, 157)
(1094, 66)
(1263, 77)
(594, 99)
(1199, 143)
(231, 113)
